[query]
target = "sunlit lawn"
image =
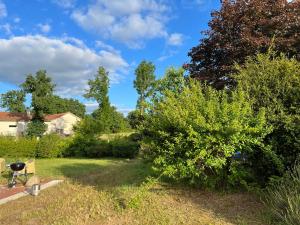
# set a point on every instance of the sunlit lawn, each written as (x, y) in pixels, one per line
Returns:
(115, 192)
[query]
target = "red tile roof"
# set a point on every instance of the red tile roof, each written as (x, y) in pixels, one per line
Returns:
(53, 116)
(7, 116)
(14, 117)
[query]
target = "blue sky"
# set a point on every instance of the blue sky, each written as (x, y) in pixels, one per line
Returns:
(71, 38)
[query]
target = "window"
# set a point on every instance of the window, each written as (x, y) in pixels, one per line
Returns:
(12, 125)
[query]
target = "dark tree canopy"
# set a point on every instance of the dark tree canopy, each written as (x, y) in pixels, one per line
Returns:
(13, 101)
(41, 88)
(242, 28)
(61, 105)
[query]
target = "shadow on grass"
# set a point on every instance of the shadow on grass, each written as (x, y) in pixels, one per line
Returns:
(115, 174)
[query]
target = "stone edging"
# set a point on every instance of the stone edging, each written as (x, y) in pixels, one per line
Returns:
(25, 193)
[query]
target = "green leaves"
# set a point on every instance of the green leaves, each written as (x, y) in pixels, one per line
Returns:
(195, 134)
(13, 101)
(143, 83)
(273, 83)
(41, 88)
(98, 88)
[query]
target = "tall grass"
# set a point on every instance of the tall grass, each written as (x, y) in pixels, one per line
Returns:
(283, 198)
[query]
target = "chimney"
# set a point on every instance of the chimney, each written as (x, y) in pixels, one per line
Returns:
(28, 113)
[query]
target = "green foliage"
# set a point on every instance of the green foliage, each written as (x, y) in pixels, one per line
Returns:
(143, 83)
(11, 147)
(173, 80)
(118, 122)
(124, 147)
(51, 146)
(62, 105)
(273, 82)
(13, 101)
(135, 119)
(88, 126)
(41, 88)
(92, 147)
(98, 89)
(106, 118)
(48, 146)
(283, 198)
(36, 128)
(194, 136)
(99, 123)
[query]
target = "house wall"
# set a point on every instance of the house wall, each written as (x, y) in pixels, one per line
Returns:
(63, 125)
(6, 130)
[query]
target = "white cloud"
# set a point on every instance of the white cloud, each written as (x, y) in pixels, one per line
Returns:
(175, 39)
(6, 28)
(3, 11)
(45, 28)
(68, 64)
(127, 21)
(167, 55)
(17, 20)
(101, 44)
(65, 3)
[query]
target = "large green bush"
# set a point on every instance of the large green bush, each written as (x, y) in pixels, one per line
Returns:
(17, 147)
(195, 135)
(283, 198)
(124, 147)
(273, 82)
(51, 146)
(92, 147)
(48, 146)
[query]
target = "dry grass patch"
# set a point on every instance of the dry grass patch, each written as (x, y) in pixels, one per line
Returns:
(117, 192)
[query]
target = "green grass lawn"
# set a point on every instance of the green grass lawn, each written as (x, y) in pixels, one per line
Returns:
(110, 191)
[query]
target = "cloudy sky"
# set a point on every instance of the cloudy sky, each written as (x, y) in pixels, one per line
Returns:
(71, 38)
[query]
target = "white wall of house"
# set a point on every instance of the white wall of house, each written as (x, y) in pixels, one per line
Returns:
(63, 125)
(12, 128)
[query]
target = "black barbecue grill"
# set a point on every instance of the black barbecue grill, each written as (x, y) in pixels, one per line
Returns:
(16, 168)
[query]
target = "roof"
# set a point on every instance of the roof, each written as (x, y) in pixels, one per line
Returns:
(15, 117)
(54, 116)
(7, 116)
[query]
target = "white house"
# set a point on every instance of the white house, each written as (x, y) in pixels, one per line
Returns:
(14, 124)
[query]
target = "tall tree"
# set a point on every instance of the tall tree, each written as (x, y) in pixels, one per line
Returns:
(241, 28)
(98, 90)
(41, 88)
(13, 101)
(143, 83)
(105, 117)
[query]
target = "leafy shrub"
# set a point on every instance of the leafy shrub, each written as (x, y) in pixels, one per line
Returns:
(51, 146)
(36, 128)
(283, 198)
(194, 135)
(273, 82)
(91, 147)
(135, 118)
(80, 145)
(124, 147)
(17, 147)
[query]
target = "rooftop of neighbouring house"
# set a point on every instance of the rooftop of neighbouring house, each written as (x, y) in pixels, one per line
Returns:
(15, 117)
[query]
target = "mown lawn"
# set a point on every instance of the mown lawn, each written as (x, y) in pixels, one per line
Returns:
(118, 192)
